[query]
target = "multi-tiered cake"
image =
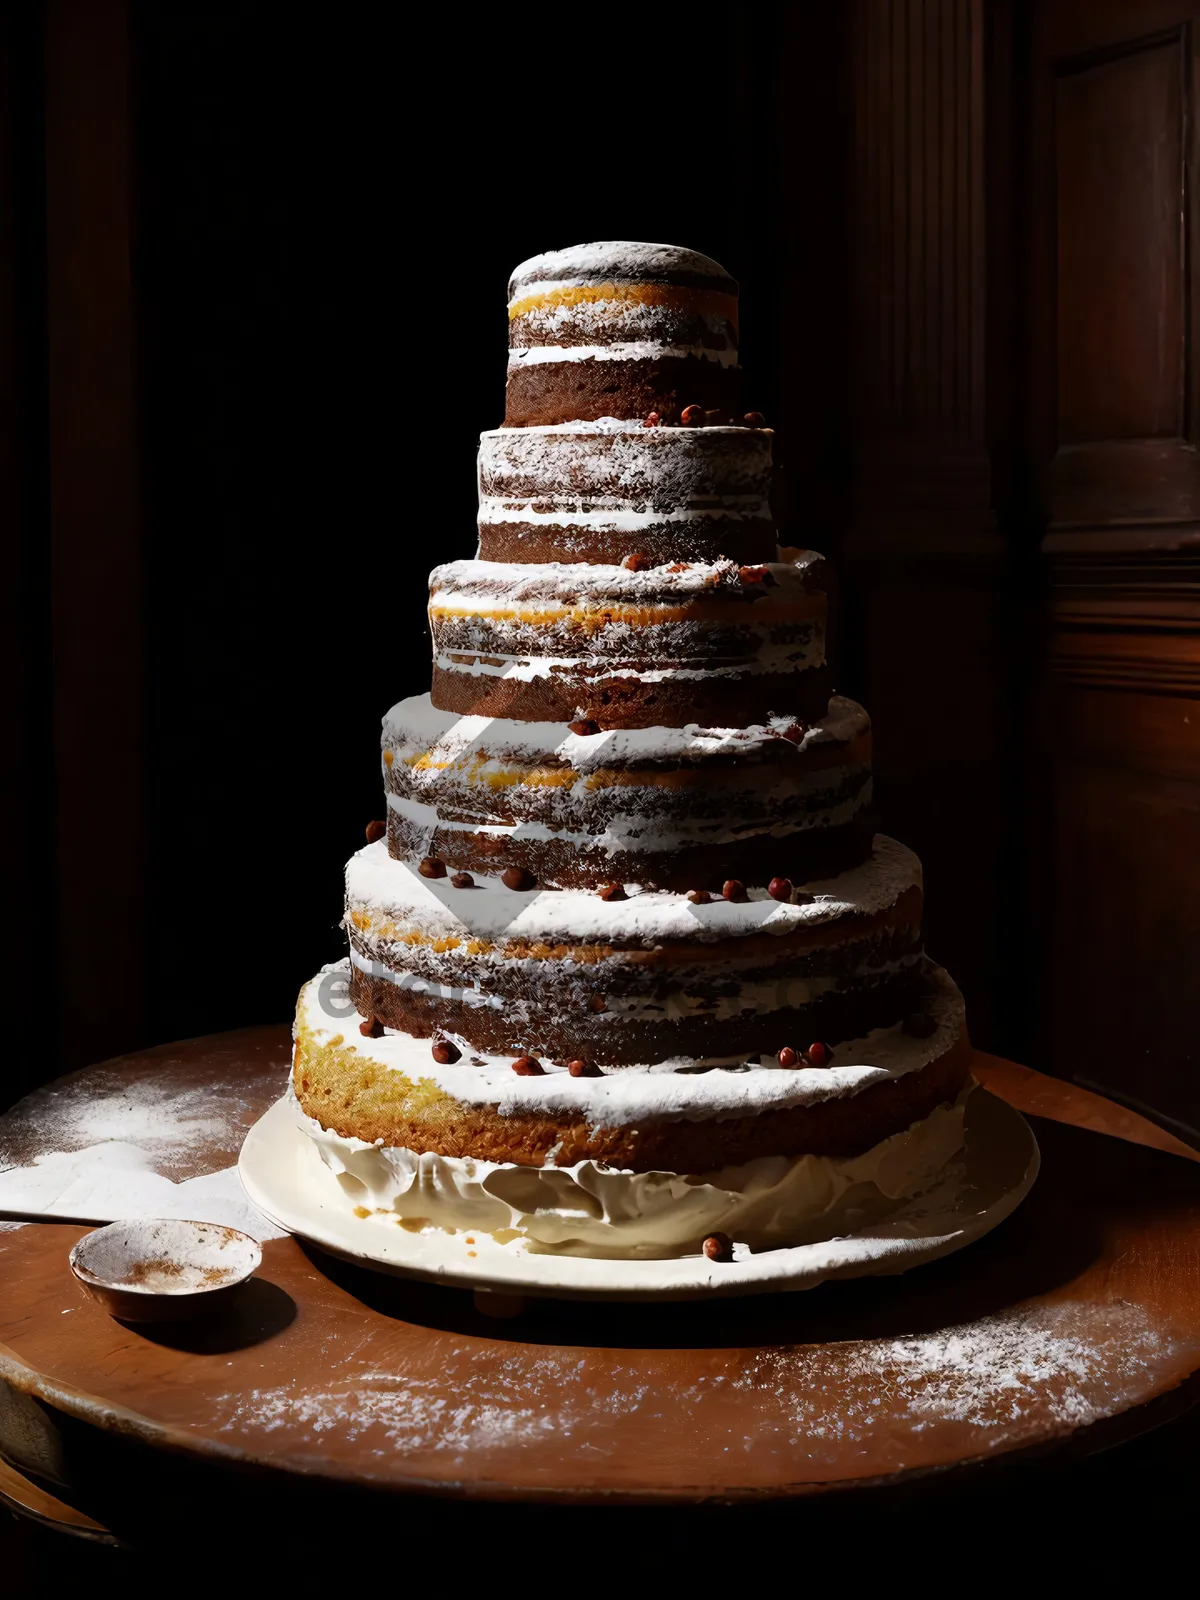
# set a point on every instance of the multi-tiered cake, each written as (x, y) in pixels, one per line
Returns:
(629, 969)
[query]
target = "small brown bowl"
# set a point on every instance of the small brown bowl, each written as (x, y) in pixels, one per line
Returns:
(164, 1269)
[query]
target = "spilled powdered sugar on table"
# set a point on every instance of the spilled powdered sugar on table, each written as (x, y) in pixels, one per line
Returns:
(106, 1145)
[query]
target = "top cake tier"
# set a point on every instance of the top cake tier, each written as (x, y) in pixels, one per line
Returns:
(621, 329)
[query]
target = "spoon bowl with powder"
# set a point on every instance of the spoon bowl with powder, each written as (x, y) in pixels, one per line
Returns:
(164, 1269)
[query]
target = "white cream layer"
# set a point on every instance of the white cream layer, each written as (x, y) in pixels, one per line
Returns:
(416, 732)
(630, 829)
(560, 585)
(769, 660)
(695, 1089)
(626, 350)
(594, 1210)
(619, 518)
(396, 891)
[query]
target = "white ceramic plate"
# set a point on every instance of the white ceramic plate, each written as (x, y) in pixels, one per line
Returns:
(284, 1176)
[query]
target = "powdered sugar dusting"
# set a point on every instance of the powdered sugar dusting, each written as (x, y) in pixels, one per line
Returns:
(622, 259)
(1070, 1364)
(1023, 1374)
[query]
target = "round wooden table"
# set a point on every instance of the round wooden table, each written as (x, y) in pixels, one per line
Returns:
(1076, 1323)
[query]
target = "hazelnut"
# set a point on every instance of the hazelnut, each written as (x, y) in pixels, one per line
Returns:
(517, 878)
(528, 1067)
(372, 1028)
(375, 831)
(431, 867)
(462, 880)
(691, 416)
(699, 897)
(612, 891)
(445, 1052)
(584, 727)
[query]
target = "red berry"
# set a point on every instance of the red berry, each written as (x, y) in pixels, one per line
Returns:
(585, 727)
(597, 1003)
(612, 891)
(637, 562)
(754, 419)
(718, 1247)
(787, 1057)
(528, 1067)
(445, 1052)
(756, 575)
(818, 1054)
(431, 867)
(652, 420)
(734, 889)
(691, 416)
(795, 732)
(375, 830)
(780, 888)
(372, 1028)
(580, 1069)
(517, 878)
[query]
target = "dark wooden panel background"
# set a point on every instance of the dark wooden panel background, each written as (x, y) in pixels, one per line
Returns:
(254, 304)
(1112, 165)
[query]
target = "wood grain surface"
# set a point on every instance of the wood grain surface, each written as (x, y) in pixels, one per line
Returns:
(1081, 1308)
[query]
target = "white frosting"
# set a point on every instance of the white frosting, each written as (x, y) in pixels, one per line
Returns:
(687, 1088)
(742, 508)
(416, 728)
(766, 660)
(619, 258)
(633, 829)
(623, 350)
(596, 1210)
(471, 585)
(396, 893)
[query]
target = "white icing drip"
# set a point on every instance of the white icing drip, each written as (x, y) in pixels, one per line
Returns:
(597, 1210)
(614, 259)
(416, 728)
(631, 350)
(671, 1090)
(396, 891)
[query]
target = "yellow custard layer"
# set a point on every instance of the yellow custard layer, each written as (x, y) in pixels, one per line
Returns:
(593, 618)
(700, 302)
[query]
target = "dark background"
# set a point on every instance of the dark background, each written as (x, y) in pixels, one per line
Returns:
(252, 319)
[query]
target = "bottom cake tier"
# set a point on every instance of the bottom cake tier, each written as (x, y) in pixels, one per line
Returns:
(638, 1162)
